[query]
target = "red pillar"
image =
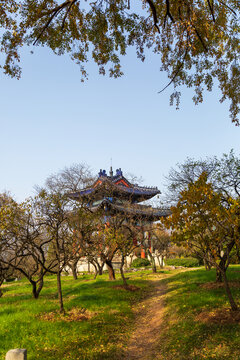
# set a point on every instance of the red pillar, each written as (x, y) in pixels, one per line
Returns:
(143, 255)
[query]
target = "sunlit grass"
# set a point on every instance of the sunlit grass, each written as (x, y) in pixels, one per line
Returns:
(186, 338)
(100, 337)
(105, 333)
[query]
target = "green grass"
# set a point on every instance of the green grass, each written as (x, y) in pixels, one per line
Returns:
(105, 335)
(186, 262)
(184, 337)
(102, 336)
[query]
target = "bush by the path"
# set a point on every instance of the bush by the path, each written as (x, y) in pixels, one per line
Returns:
(186, 262)
(139, 262)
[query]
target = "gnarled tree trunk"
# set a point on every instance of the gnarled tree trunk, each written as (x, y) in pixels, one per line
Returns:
(233, 304)
(153, 264)
(100, 268)
(111, 272)
(59, 286)
(95, 268)
(1, 293)
(122, 272)
(36, 287)
(73, 267)
(208, 267)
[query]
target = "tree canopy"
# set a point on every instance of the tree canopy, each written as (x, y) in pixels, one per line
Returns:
(197, 41)
(203, 221)
(222, 172)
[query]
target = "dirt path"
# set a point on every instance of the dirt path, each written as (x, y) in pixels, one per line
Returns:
(149, 317)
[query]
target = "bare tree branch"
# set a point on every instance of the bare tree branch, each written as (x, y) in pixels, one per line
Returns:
(211, 9)
(154, 13)
(200, 38)
(54, 13)
(67, 12)
(168, 13)
(229, 8)
(176, 74)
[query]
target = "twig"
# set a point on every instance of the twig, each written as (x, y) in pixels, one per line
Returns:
(224, 4)
(200, 38)
(168, 14)
(67, 12)
(154, 13)
(211, 9)
(176, 74)
(54, 12)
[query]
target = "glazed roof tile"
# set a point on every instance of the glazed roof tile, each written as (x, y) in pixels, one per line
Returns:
(135, 209)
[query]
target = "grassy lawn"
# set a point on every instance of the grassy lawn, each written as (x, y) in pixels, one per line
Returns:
(23, 323)
(189, 332)
(197, 322)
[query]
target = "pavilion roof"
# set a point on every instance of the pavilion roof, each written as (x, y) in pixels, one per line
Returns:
(113, 185)
(134, 210)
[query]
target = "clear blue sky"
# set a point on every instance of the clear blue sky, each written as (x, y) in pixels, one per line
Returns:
(49, 120)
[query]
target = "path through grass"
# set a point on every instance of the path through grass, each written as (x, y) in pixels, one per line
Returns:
(24, 324)
(194, 325)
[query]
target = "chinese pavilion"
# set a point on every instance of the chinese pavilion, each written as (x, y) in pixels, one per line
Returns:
(114, 194)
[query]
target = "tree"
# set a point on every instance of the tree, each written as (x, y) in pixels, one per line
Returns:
(83, 225)
(203, 221)
(108, 248)
(70, 179)
(121, 234)
(54, 214)
(160, 239)
(144, 238)
(23, 244)
(5, 273)
(198, 42)
(223, 173)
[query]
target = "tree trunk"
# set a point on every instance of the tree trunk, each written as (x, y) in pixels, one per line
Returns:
(96, 269)
(160, 261)
(208, 266)
(221, 270)
(39, 287)
(234, 306)
(238, 254)
(222, 264)
(111, 272)
(131, 260)
(74, 270)
(34, 289)
(154, 268)
(122, 273)
(100, 267)
(219, 278)
(59, 286)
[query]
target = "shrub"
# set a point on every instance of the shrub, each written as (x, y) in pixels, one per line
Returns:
(187, 262)
(140, 262)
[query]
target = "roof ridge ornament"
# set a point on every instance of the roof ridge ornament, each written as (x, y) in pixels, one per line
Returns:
(102, 173)
(119, 172)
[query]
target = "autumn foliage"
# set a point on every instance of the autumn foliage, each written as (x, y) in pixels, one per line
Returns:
(206, 222)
